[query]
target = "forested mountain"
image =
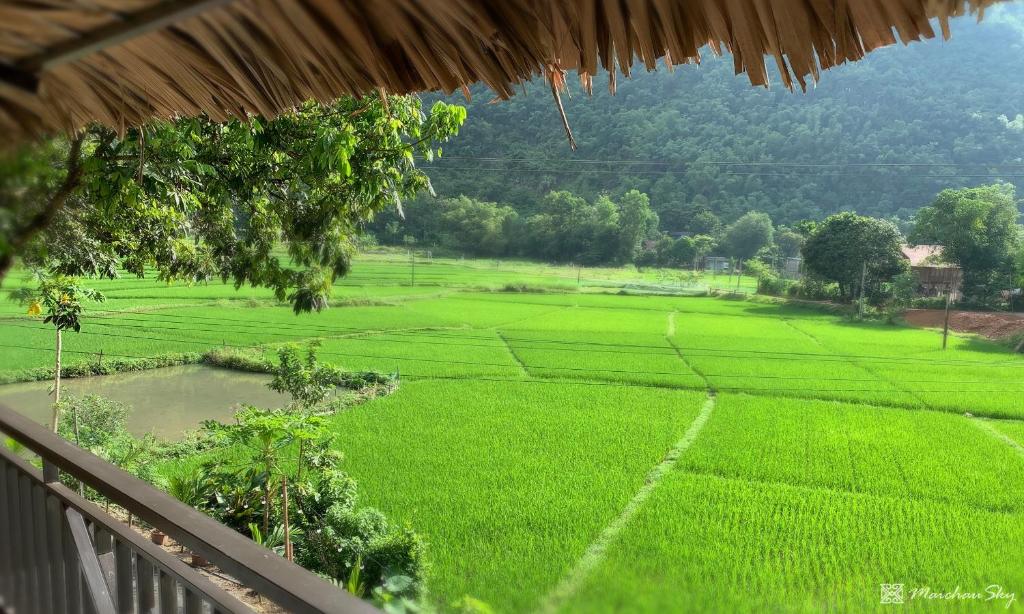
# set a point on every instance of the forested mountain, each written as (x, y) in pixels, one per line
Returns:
(949, 113)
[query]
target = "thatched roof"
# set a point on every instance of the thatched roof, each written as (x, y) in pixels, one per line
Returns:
(918, 254)
(924, 255)
(67, 62)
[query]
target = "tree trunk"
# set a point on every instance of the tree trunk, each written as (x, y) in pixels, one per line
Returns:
(74, 414)
(287, 529)
(56, 382)
(266, 507)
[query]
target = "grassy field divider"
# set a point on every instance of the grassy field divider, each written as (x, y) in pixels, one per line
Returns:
(670, 332)
(853, 361)
(596, 552)
(679, 352)
(515, 357)
(985, 426)
(108, 366)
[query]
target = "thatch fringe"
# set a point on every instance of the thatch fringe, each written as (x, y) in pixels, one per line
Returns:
(264, 56)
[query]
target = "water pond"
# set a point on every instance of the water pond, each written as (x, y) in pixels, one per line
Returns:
(164, 402)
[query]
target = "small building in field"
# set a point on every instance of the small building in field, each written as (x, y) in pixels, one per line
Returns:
(716, 264)
(792, 268)
(934, 276)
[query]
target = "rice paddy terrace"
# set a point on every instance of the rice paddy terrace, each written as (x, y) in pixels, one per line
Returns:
(580, 451)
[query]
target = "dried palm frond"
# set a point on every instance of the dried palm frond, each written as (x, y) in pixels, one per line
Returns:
(64, 63)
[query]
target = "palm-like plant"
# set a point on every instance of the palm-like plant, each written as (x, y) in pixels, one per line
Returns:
(59, 300)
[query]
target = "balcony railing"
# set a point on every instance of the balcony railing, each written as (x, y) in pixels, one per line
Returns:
(61, 553)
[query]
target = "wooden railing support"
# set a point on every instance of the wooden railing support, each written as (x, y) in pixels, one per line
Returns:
(62, 554)
(95, 583)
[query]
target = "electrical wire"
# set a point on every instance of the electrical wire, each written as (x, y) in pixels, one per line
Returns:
(772, 163)
(414, 337)
(669, 171)
(590, 370)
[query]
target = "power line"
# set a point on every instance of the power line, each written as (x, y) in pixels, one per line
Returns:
(470, 378)
(541, 367)
(411, 337)
(530, 344)
(69, 351)
(617, 347)
(672, 387)
(592, 370)
(769, 163)
(792, 175)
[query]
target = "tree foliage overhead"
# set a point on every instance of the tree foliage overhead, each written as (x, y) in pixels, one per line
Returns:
(200, 200)
(847, 247)
(955, 103)
(978, 231)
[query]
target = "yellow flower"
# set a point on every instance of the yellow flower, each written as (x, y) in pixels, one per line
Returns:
(35, 308)
(65, 299)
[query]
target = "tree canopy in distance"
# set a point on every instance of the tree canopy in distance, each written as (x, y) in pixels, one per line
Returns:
(978, 231)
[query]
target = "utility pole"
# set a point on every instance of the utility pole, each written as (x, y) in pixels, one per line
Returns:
(945, 321)
(863, 280)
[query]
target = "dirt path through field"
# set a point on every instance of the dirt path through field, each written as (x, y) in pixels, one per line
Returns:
(597, 550)
(991, 324)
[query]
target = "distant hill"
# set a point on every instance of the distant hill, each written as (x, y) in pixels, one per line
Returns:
(960, 102)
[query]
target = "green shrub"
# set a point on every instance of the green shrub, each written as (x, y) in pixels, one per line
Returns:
(248, 359)
(190, 444)
(232, 497)
(768, 281)
(345, 538)
(303, 377)
(357, 380)
(99, 420)
(535, 288)
(107, 366)
(929, 302)
(814, 289)
(242, 485)
(101, 427)
(189, 488)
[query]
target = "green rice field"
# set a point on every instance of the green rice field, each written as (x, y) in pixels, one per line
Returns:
(604, 445)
